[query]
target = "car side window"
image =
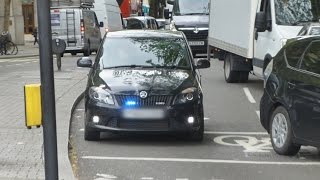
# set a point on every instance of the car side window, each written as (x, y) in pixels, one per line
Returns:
(294, 53)
(311, 59)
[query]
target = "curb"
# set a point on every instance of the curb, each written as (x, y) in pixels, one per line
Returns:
(18, 56)
(76, 102)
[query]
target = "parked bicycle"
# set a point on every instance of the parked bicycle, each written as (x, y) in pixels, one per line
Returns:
(7, 47)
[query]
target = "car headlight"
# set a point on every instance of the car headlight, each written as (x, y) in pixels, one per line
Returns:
(172, 26)
(187, 95)
(101, 95)
(267, 72)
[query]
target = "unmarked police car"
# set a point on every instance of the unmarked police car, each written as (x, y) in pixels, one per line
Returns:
(144, 81)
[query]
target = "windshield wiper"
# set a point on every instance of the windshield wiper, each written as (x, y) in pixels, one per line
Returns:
(128, 66)
(173, 67)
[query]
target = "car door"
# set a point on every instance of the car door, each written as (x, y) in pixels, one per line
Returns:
(305, 91)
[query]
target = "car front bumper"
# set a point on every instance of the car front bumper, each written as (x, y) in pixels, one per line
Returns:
(176, 119)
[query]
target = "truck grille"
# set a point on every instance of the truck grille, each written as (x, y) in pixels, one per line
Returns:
(161, 100)
(196, 36)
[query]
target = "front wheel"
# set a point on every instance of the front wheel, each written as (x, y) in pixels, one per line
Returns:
(281, 133)
(230, 75)
(91, 135)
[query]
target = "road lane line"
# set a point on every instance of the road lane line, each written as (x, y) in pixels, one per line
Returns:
(258, 114)
(147, 178)
(182, 179)
(206, 119)
(249, 95)
(235, 133)
(216, 161)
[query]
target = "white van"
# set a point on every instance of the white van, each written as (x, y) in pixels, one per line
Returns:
(247, 34)
(109, 13)
(78, 27)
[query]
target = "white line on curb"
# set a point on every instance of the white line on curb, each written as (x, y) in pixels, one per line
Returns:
(202, 160)
(249, 95)
(235, 133)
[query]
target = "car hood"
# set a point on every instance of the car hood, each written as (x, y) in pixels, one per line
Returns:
(191, 21)
(289, 32)
(156, 81)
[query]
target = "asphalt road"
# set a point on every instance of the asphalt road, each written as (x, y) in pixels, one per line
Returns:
(235, 147)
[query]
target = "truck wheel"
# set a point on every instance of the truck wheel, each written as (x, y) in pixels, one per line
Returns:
(230, 75)
(244, 76)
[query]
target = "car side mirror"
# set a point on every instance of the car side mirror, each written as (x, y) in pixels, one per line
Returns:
(203, 64)
(171, 2)
(84, 62)
(167, 14)
(101, 24)
(261, 22)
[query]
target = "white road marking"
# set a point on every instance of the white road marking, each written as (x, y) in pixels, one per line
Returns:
(258, 113)
(182, 179)
(147, 178)
(235, 133)
(249, 95)
(81, 130)
(309, 163)
(108, 176)
(249, 143)
(206, 119)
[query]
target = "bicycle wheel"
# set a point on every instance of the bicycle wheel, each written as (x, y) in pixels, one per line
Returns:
(9, 48)
(15, 50)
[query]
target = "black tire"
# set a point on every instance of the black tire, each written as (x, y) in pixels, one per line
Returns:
(9, 48)
(198, 135)
(288, 148)
(229, 75)
(91, 135)
(244, 77)
(62, 54)
(73, 53)
(87, 52)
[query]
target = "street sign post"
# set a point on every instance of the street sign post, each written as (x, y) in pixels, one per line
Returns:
(47, 91)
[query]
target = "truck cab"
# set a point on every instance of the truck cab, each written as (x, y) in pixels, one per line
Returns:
(248, 34)
(192, 18)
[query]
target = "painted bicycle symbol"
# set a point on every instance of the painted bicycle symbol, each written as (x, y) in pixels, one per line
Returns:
(249, 143)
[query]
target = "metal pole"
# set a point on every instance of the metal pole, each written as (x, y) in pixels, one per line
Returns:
(47, 91)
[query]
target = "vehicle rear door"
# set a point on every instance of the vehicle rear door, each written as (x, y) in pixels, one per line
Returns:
(306, 96)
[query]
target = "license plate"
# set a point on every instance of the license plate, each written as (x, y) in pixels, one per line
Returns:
(146, 114)
(196, 43)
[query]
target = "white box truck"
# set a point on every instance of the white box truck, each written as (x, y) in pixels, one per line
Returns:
(247, 34)
(108, 11)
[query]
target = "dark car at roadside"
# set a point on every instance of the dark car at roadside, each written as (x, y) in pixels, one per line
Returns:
(290, 106)
(144, 82)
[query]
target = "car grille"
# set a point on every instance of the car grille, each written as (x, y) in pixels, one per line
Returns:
(196, 36)
(145, 125)
(161, 100)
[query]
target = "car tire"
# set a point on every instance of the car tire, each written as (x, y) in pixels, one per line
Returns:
(91, 135)
(281, 133)
(73, 53)
(244, 77)
(230, 75)
(198, 135)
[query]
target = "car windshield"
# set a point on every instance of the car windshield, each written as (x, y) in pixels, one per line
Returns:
(191, 7)
(145, 52)
(295, 12)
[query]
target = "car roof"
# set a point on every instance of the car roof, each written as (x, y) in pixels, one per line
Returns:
(141, 17)
(145, 33)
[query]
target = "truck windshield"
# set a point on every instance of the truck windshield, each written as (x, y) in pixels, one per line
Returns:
(191, 7)
(295, 12)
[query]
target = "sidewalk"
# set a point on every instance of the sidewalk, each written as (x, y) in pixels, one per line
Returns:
(21, 150)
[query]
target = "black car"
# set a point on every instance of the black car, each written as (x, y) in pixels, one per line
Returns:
(290, 106)
(144, 81)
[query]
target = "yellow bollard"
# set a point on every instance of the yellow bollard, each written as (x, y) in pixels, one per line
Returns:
(32, 101)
